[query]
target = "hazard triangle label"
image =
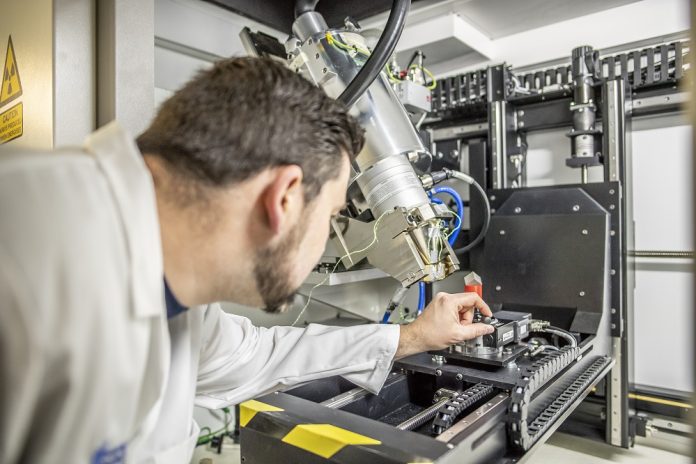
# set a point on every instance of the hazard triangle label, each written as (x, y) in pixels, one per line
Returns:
(11, 84)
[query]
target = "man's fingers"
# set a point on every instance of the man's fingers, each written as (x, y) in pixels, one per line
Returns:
(468, 301)
(475, 330)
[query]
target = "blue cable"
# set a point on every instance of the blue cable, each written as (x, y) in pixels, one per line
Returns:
(460, 208)
(421, 296)
(386, 316)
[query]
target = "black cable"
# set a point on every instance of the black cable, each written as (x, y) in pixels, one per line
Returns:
(304, 6)
(572, 341)
(379, 56)
(486, 221)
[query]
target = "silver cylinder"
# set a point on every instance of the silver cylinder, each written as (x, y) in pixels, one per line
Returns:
(309, 24)
(389, 132)
(391, 183)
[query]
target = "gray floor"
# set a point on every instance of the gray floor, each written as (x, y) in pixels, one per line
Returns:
(561, 448)
(568, 449)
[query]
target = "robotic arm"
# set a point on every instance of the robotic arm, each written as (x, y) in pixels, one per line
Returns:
(386, 198)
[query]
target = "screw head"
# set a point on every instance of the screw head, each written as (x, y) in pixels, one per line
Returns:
(518, 210)
(492, 197)
(438, 372)
(613, 310)
(502, 232)
(582, 293)
(612, 207)
(584, 232)
(459, 377)
(324, 70)
(611, 191)
(498, 288)
(576, 207)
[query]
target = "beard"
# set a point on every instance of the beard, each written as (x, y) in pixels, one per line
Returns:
(273, 271)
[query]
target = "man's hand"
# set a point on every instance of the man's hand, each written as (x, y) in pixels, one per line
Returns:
(446, 321)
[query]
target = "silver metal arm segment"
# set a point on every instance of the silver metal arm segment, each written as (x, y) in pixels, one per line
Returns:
(411, 240)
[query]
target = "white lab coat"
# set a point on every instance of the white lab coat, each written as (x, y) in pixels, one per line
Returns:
(90, 367)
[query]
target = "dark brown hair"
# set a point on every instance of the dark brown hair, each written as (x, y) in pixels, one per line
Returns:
(244, 115)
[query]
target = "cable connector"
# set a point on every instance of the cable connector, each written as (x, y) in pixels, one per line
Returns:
(434, 178)
(536, 325)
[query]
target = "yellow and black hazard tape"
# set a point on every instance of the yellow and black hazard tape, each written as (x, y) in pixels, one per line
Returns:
(328, 441)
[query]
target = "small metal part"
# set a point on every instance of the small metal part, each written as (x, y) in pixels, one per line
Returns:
(439, 359)
(442, 396)
(495, 404)
(457, 405)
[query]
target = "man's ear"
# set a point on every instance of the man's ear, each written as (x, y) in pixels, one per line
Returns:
(283, 198)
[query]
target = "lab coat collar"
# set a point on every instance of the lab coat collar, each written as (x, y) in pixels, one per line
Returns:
(132, 187)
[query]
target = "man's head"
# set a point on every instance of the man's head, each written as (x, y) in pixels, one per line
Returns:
(252, 160)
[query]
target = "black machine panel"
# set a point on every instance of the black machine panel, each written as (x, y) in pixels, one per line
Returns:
(548, 247)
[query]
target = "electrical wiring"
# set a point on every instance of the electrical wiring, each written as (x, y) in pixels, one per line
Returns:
(206, 438)
(347, 255)
(452, 237)
(426, 71)
(334, 42)
(378, 59)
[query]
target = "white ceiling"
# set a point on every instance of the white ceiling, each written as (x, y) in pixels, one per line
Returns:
(499, 18)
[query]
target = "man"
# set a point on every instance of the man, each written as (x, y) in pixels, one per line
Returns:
(110, 258)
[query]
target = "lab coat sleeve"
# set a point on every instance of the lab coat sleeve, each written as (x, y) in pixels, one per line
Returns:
(21, 367)
(239, 361)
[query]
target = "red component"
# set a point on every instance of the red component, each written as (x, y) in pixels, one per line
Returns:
(474, 289)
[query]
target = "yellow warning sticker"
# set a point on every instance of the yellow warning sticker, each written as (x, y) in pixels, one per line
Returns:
(11, 84)
(11, 123)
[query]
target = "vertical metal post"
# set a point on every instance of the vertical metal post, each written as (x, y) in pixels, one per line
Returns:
(126, 63)
(507, 154)
(496, 130)
(615, 149)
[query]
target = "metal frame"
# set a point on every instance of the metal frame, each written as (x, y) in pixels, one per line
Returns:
(546, 104)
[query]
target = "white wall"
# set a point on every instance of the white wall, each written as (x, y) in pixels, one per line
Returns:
(200, 27)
